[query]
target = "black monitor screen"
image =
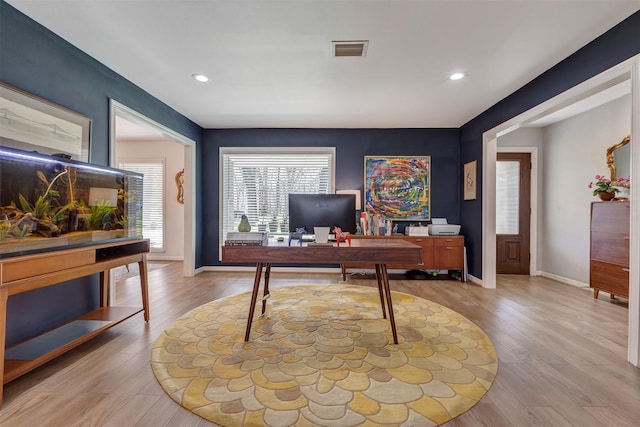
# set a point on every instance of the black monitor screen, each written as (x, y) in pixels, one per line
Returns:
(322, 210)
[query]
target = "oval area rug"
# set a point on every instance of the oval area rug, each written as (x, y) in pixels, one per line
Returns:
(324, 356)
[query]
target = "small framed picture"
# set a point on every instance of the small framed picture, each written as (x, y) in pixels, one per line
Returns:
(469, 180)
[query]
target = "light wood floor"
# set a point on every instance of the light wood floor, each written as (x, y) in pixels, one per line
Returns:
(562, 355)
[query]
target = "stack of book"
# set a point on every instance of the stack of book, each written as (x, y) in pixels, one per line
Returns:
(238, 238)
(375, 225)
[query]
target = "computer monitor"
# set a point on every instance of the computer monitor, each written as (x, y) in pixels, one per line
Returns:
(322, 210)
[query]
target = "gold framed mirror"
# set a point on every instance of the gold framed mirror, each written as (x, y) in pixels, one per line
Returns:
(619, 157)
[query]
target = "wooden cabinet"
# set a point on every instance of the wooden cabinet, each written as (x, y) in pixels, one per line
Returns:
(448, 253)
(438, 253)
(609, 263)
(24, 273)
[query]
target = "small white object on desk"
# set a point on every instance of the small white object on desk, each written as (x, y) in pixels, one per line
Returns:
(322, 234)
(412, 230)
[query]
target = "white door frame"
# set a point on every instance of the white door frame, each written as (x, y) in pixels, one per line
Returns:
(121, 110)
(629, 69)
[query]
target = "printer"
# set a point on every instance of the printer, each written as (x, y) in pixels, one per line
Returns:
(439, 227)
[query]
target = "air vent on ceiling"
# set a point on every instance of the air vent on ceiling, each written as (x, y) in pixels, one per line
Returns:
(350, 48)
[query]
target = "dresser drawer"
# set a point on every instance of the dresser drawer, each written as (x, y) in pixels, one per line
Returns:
(610, 247)
(610, 217)
(609, 277)
(448, 241)
(422, 241)
(35, 266)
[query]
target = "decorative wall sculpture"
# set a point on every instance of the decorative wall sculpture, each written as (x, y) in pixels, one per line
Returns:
(180, 185)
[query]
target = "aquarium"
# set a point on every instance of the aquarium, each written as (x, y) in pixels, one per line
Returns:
(51, 202)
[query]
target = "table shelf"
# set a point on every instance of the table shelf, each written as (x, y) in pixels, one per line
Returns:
(28, 355)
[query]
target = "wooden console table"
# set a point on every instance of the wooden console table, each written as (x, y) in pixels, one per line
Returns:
(378, 252)
(28, 272)
(438, 253)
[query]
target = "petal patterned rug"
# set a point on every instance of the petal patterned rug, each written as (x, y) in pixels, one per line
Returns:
(323, 355)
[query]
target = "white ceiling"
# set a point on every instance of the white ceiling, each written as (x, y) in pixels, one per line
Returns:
(270, 62)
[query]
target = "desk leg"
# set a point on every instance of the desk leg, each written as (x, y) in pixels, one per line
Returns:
(266, 294)
(144, 286)
(381, 291)
(254, 297)
(4, 295)
(387, 291)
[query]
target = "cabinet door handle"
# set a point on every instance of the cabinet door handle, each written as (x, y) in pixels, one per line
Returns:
(625, 269)
(627, 238)
(449, 248)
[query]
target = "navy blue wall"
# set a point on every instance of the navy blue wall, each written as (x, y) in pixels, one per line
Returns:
(615, 46)
(34, 59)
(351, 147)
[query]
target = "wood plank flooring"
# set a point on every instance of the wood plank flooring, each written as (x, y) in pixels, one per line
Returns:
(562, 355)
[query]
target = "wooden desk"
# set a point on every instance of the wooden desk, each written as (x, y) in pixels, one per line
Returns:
(379, 252)
(25, 273)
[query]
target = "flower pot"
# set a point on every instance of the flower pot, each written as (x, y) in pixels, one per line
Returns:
(606, 196)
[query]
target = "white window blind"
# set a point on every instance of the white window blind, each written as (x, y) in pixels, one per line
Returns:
(152, 199)
(257, 182)
(507, 197)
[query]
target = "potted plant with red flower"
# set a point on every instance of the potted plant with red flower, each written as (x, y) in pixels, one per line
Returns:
(603, 187)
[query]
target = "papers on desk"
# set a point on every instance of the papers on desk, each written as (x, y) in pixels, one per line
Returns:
(237, 238)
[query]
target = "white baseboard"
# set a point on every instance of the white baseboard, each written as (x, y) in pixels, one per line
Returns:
(562, 279)
(474, 280)
(152, 257)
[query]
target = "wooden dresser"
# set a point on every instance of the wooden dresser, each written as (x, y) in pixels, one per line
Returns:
(438, 253)
(609, 264)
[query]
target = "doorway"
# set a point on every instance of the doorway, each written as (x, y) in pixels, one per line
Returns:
(120, 111)
(513, 213)
(628, 70)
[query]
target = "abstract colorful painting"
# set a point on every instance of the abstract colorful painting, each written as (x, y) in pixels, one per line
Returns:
(398, 187)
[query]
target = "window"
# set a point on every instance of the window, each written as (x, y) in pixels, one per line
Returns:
(152, 199)
(256, 182)
(507, 196)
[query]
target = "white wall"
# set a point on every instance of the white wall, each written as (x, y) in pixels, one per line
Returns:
(173, 155)
(574, 152)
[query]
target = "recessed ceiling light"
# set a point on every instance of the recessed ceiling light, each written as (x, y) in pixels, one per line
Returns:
(456, 76)
(200, 77)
